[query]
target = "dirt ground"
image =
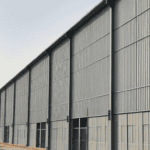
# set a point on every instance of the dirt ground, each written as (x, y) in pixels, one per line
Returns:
(9, 146)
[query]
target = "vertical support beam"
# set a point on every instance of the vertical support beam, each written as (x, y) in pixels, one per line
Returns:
(14, 103)
(49, 104)
(111, 81)
(5, 118)
(70, 97)
(29, 95)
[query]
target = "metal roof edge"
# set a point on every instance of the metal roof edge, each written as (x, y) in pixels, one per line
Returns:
(98, 8)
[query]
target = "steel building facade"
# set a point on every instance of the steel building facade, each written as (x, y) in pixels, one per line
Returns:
(90, 89)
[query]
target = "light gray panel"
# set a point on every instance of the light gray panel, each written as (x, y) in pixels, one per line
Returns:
(124, 11)
(59, 112)
(32, 135)
(21, 101)
(80, 109)
(2, 108)
(1, 134)
(60, 54)
(91, 32)
(79, 82)
(142, 6)
(60, 70)
(143, 25)
(60, 90)
(60, 81)
(9, 105)
(39, 91)
(98, 106)
(124, 36)
(143, 62)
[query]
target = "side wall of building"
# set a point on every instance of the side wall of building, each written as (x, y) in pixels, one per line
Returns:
(91, 57)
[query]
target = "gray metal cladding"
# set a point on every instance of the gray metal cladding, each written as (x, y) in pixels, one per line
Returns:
(125, 35)
(1, 134)
(2, 108)
(21, 101)
(60, 81)
(132, 56)
(142, 6)
(98, 133)
(32, 141)
(59, 135)
(91, 67)
(143, 28)
(39, 91)
(94, 30)
(124, 11)
(9, 104)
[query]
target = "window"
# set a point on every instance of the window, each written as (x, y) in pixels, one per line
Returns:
(79, 134)
(41, 135)
(6, 134)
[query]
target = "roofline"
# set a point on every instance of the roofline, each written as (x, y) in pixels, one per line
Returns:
(98, 8)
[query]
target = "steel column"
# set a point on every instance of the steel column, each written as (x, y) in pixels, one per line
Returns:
(29, 95)
(70, 97)
(111, 84)
(49, 104)
(14, 112)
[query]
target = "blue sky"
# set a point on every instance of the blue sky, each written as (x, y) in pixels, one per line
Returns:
(28, 27)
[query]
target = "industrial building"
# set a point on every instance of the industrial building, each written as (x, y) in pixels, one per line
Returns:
(90, 89)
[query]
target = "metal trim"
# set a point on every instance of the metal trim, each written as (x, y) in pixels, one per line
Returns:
(132, 112)
(29, 95)
(14, 112)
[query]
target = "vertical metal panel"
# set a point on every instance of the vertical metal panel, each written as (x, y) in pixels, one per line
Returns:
(123, 36)
(143, 27)
(60, 81)
(1, 134)
(39, 90)
(32, 135)
(124, 11)
(2, 108)
(9, 105)
(10, 134)
(21, 101)
(16, 134)
(142, 6)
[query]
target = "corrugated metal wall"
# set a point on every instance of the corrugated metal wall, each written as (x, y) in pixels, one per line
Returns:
(10, 134)
(91, 67)
(60, 82)
(9, 105)
(98, 133)
(132, 55)
(1, 134)
(132, 131)
(59, 134)
(32, 135)
(2, 109)
(21, 101)
(39, 91)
